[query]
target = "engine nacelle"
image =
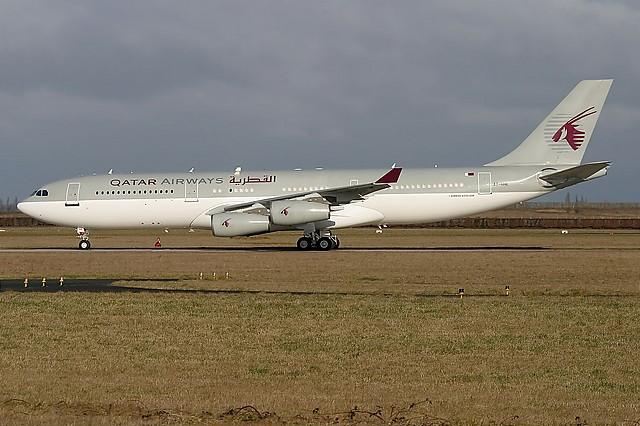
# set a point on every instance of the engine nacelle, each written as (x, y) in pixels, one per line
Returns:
(238, 224)
(294, 212)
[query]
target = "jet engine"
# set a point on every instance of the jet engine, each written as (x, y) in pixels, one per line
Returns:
(295, 212)
(238, 224)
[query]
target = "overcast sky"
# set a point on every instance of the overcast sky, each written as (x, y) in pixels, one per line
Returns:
(86, 86)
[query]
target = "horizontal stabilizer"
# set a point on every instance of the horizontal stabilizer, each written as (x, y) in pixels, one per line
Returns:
(576, 174)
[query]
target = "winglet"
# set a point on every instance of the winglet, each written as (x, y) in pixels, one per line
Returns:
(391, 176)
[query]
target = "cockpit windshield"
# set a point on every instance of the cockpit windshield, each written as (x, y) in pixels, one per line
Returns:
(40, 193)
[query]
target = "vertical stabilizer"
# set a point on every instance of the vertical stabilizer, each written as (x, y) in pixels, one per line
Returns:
(563, 136)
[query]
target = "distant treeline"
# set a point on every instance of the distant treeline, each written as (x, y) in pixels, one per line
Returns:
(574, 204)
(9, 204)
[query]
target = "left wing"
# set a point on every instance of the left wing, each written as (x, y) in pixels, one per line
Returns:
(332, 196)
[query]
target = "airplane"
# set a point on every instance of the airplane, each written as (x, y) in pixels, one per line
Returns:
(318, 201)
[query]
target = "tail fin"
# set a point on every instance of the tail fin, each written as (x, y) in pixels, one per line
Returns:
(563, 136)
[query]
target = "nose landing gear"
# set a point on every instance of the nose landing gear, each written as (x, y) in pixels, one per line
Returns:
(84, 243)
(323, 241)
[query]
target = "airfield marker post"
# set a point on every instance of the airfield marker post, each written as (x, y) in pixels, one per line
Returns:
(26, 282)
(44, 282)
(461, 292)
(506, 289)
(61, 281)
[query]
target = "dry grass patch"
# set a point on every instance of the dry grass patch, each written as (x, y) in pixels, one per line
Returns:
(564, 344)
(544, 359)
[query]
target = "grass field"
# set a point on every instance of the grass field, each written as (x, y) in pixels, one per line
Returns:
(307, 337)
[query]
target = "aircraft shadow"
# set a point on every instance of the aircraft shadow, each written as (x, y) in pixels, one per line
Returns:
(107, 286)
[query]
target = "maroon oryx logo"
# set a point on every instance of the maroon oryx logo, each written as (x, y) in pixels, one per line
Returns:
(569, 130)
(285, 211)
(226, 223)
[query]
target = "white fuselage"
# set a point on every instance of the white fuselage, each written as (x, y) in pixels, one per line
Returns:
(420, 196)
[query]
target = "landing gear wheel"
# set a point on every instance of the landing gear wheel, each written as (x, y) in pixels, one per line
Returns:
(84, 245)
(304, 243)
(325, 244)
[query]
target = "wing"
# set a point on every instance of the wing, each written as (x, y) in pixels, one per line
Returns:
(333, 196)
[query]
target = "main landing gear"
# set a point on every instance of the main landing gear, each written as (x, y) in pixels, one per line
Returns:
(320, 241)
(84, 243)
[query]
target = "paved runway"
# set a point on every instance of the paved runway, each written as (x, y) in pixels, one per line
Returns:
(84, 285)
(295, 250)
(276, 249)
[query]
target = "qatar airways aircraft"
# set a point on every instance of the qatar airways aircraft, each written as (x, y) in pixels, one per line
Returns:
(316, 202)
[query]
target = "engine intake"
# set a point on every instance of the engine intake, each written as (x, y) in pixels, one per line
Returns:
(239, 224)
(288, 212)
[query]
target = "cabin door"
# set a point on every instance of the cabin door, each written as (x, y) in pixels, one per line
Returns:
(73, 195)
(484, 183)
(191, 190)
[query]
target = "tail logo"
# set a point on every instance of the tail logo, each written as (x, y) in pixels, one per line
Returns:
(569, 131)
(226, 223)
(285, 211)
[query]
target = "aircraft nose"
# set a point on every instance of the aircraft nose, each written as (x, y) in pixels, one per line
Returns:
(28, 208)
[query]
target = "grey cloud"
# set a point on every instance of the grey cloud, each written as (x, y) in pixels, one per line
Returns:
(91, 85)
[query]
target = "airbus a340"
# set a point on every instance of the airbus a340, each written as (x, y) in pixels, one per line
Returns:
(317, 202)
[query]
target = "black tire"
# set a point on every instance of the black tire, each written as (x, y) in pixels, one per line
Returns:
(304, 243)
(84, 245)
(325, 244)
